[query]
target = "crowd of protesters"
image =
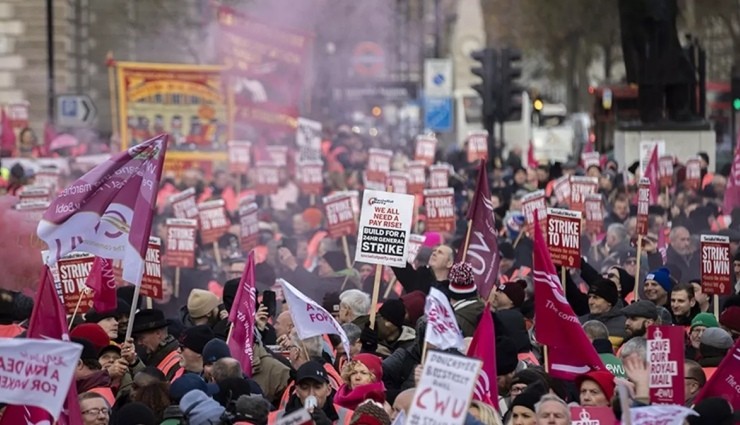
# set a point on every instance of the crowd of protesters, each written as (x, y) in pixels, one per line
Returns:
(177, 368)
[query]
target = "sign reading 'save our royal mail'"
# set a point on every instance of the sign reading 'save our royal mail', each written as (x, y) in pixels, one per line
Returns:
(385, 225)
(180, 242)
(716, 265)
(564, 237)
(665, 353)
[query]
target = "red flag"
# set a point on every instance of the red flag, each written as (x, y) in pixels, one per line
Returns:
(531, 161)
(48, 320)
(7, 137)
(569, 351)
(724, 381)
(652, 174)
(102, 281)
(241, 316)
(482, 250)
(108, 211)
(483, 347)
(732, 191)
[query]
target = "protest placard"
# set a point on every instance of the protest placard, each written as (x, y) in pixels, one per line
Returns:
(646, 149)
(590, 159)
(665, 353)
(531, 202)
(183, 204)
(426, 147)
(594, 213)
(310, 177)
(73, 271)
(278, 155)
(564, 237)
(415, 243)
(716, 265)
(398, 181)
(665, 171)
(444, 390)
(643, 206)
(378, 165)
(693, 173)
(180, 242)
(580, 187)
(32, 211)
(29, 194)
(660, 414)
(48, 177)
(37, 372)
(561, 189)
(477, 145)
(267, 178)
(240, 156)
(151, 282)
(385, 224)
(439, 176)
(340, 216)
(417, 177)
(440, 209)
(592, 415)
(308, 140)
(249, 232)
(213, 220)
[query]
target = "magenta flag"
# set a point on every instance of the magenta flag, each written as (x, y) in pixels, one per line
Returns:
(48, 321)
(732, 192)
(483, 347)
(482, 250)
(651, 173)
(570, 353)
(103, 283)
(241, 316)
(7, 136)
(108, 211)
(724, 382)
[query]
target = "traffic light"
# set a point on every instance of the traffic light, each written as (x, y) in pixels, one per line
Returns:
(735, 88)
(487, 71)
(510, 103)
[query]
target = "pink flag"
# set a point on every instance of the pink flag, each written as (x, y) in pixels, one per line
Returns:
(732, 192)
(651, 173)
(108, 211)
(48, 321)
(102, 281)
(569, 351)
(724, 382)
(241, 316)
(482, 250)
(483, 347)
(7, 135)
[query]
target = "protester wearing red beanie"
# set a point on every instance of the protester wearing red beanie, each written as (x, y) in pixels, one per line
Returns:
(596, 388)
(363, 380)
(93, 333)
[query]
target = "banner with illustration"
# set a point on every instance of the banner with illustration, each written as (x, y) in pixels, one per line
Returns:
(188, 102)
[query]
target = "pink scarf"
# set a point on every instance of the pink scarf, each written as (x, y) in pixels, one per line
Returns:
(350, 399)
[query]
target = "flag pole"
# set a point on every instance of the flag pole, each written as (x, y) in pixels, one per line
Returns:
(112, 92)
(177, 282)
(345, 248)
(132, 312)
(149, 303)
(467, 239)
(391, 284)
(217, 254)
(636, 291)
(376, 291)
(563, 271)
(77, 307)
(715, 301)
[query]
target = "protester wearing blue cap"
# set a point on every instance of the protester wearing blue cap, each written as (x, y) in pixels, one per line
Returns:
(658, 285)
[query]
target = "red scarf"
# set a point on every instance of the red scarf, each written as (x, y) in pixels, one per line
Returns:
(351, 398)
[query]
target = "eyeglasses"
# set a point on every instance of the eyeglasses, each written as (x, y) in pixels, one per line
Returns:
(96, 411)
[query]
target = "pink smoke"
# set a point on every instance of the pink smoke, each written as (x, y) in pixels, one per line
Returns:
(20, 248)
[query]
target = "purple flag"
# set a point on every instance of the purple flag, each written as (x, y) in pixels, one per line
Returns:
(482, 250)
(103, 283)
(108, 211)
(732, 192)
(241, 316)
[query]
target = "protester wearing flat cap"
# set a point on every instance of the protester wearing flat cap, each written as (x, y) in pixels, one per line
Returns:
(658, 286)
(715, 343)
(312, 381)
(464, 298)
(161, 349)
(603, 305)
(392, 333)
(192, 342)
(638, 316)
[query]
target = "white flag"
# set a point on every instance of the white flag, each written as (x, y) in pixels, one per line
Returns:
(668, 414)
(309, 318)
(36, 372)
(442, 329)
